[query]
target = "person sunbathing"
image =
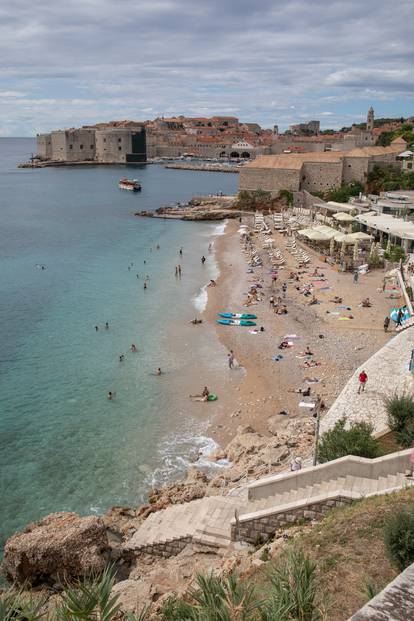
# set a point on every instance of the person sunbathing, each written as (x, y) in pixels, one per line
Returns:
(336, 300)
(313, 301)
(366, 303)
(284, 344)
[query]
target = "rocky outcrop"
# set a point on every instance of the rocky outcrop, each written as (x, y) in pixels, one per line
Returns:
(59, 547)
(193, 487)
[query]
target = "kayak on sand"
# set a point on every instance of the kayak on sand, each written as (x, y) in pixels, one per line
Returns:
(237, 315)
(236, 322)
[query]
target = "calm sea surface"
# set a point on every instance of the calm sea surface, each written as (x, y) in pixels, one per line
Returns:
(63, 445)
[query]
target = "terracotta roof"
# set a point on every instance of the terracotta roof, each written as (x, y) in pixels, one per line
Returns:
(367, 151)
(293, 161)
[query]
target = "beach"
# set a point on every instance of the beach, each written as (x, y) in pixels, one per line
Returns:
(267, 387)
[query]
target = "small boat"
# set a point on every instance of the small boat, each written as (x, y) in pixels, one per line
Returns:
(129, 184)
(237, 315)
(236, 322)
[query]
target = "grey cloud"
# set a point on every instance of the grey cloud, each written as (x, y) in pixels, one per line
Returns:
(258, 59)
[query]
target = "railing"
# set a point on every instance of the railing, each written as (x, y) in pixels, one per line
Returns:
(350, 465)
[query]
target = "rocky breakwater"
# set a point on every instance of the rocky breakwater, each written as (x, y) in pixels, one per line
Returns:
(225, 168)
(64, 546)
(199, 208)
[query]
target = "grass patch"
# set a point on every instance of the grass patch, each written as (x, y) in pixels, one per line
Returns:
(349, 551)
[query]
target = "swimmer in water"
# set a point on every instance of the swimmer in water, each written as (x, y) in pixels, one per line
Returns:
(121, 358)
(145, 285)
(96, 328)
(158, 371)
(111, 396)
(181, 251)
(107, 326)
(134, 348)
(203, 259)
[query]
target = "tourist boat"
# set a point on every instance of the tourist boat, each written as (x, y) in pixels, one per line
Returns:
(129, 184)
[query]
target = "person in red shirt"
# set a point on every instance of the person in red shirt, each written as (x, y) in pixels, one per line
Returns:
(363, 378)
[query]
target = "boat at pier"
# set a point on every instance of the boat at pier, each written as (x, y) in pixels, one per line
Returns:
(129, 184)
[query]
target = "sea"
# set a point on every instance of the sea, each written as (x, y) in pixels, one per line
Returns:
(74, 256)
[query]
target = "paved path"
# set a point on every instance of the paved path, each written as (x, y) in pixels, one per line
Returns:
(388, 373)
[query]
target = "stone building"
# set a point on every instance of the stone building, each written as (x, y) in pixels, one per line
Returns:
(314, 171)
(121, 145)
(73, 145)
(44, 146)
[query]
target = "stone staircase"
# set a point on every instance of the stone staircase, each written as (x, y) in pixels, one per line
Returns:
(269, 504)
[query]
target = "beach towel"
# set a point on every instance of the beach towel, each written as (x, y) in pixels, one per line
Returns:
(277, 358)
(291, 336)
(343, 308)
(303, 404)
(325, 288)
(333, 312)
(344, 318)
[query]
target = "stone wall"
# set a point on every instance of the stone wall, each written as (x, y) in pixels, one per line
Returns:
(113, 145)
(319, 177)
(166, 549)
(252, 527)
(269, 179)
(73, 145)
(355, 169)
(44, 146)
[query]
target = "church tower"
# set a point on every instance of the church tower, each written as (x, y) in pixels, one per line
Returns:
(370, 119)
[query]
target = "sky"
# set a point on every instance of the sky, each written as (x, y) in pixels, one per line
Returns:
(66, 63)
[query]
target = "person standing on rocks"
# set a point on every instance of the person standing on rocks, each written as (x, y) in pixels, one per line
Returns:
(363, 378)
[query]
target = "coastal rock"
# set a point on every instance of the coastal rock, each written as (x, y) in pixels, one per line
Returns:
(275, 456)
(121, 522)
(60, 546)
(194, 487)
(244, 443)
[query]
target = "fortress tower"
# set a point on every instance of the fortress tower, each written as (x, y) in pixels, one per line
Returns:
(370, 119)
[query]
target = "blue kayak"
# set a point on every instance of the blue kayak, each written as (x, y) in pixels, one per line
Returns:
(236, 322)
(237, 315)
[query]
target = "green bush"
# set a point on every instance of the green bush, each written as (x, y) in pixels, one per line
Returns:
(356, 440)
(287, 195)
(399, 538)
(400, 410)
(293, 589)
(257, 199)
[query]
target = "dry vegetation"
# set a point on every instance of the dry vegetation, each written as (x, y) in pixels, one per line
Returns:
(349, 549)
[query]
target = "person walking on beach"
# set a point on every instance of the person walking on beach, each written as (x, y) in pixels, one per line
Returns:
(400, 316)
(356, 277)
(363, 378)
(231, 359)
(203, 259)
(179, 271)
(411, 473)
(386, 323)
(176, 270)
(284, 289)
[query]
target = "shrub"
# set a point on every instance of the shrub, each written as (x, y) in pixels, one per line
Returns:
(287, 195)
(293, 589)
(400, 410)
(399, 538)
(356, 440)
(258, 199)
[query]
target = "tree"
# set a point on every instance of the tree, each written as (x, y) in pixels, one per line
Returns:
(355, 440)
(400, 410)
(399, 538)
(344, 193)
(287, 195)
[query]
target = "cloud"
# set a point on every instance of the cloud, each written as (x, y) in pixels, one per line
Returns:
(273, 61)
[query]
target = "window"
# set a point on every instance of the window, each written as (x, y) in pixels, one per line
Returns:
(119, 148)
(71, 146)
(81, 146)
(91, 146)
(119, 139)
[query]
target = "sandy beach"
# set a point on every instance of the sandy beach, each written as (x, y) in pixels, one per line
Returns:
(339, 346)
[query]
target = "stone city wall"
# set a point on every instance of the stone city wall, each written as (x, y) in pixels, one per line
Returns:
(269, 179)
(320, 177)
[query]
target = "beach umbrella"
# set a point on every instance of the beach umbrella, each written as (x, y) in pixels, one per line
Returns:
(356, 250)
(343, 217)
(360, 236)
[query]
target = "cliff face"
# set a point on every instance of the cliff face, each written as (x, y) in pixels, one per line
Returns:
(60, 546)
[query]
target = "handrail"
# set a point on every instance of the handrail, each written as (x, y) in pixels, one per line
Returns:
(349, 465)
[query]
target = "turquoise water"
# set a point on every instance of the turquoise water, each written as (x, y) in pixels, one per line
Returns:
(63, 445)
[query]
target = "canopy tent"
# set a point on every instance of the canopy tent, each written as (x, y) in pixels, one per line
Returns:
(343, 217)
(359, 236)
(319, 233)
